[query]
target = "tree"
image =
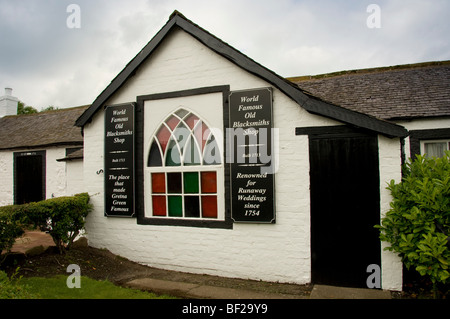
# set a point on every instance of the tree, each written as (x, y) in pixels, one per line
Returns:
(22, 109)
(49, 108)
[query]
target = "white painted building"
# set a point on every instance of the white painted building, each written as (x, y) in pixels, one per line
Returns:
(160, 201)
(185, 70)
(37, 153)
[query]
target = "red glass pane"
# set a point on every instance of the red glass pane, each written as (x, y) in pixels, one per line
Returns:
(191, 121)
(209, 182)
(158, 183)
(173, 122)
(163, 136)
(209, 206)
(201, 134)
(159, 205)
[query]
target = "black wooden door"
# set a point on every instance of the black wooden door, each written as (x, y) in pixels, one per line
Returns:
(29, 178)
(345, 205)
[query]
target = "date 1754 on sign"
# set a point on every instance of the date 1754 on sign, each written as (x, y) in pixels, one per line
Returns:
(251, 212)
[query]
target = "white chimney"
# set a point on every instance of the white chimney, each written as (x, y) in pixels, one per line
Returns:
(8, 103)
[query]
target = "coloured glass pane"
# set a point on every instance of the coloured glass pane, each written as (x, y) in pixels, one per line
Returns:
(211, 155)
(158, 183)
(174, 183)
(191, 153)
(191, 184)
(209, 182)
(175, 206)
(191, 121)
(191, 206)
(209, 206)
(163, 137)
(172, 122)
(173, 157)
(182, 134)
(159, 205)
(154, 158)
(181, 113)
(201, 133)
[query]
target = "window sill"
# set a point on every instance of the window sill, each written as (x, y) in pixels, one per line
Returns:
(204, 223)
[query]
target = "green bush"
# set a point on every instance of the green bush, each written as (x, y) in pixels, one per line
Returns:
(63, 216)
(10, 228)
(417, 225)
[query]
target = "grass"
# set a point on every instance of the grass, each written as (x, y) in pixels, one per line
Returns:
(56, 288)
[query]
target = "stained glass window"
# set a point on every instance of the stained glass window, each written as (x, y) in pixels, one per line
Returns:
(184, 158)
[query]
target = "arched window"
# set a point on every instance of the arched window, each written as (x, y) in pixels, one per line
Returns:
(183, 163)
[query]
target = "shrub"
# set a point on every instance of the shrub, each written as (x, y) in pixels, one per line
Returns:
(10, 228)
(63, 216)
(417, 225)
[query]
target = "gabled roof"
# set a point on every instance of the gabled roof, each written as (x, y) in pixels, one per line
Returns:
(51, 128)
(307, 101)
(392, 93)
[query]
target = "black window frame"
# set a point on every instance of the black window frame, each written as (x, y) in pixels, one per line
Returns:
(140, 162)
(417, 136)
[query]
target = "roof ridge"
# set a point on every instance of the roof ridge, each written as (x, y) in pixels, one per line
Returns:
(308, 102)
(65, 109)
(369, 70)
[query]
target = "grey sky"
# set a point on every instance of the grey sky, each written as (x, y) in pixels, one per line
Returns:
(47, 63)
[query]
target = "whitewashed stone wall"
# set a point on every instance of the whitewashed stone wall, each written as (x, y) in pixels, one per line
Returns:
(6, 178)
(74, 177)
(272, 252)
(390, 168)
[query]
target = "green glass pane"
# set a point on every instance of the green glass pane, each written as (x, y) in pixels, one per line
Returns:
(173, 154)
(191, 184)
(191, 154)
(181, 113)
(175, 206)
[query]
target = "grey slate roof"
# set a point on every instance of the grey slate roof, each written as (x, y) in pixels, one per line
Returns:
(390, 93)
(41, 129)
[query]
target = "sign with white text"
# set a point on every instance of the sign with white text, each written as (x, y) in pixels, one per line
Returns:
(250, 155)
(119, 160)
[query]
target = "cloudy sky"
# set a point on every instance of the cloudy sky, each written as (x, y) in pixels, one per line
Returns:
(49, 57)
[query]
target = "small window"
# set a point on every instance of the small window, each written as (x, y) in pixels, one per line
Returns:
(183, 165)
(435, 148)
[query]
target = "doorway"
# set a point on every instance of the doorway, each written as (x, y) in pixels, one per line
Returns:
(29, 177)
(345, 206)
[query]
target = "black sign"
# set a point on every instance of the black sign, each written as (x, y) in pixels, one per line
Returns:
(250, 146)
(119, 160)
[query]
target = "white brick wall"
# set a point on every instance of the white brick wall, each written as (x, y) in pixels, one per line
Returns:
(273, 252)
